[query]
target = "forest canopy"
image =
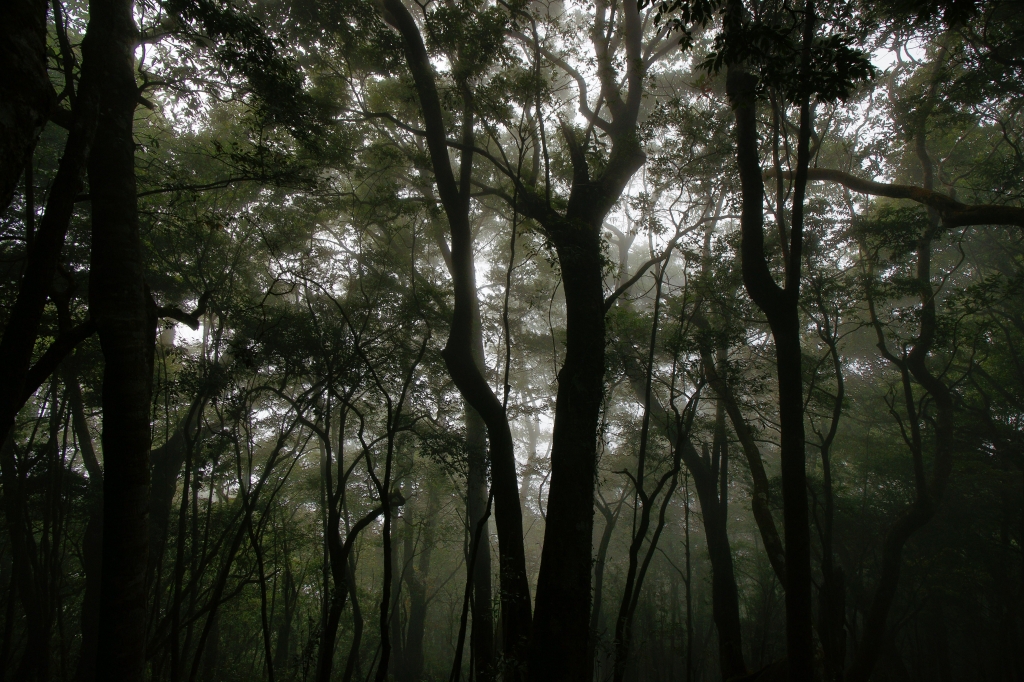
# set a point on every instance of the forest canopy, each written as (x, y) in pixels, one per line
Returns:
(511, 340)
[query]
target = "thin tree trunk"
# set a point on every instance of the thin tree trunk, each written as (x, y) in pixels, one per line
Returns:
(832, 595)
(289, 595)
(481, 642)
(166, 462)
(634, 581)
(610, 520)
(689, 580)
(780, 305)
(402, 542)
(43, 253)
(559, 642)
(352, 665)
(92, 539)
(210, 657)
(23, 549)
(929, 493)
(724, 593)
(416, 580)
(458, 354)
(340, 572)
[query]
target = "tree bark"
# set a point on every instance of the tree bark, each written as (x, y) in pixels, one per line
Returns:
(92, 539)
(559, 645)
(118, 303)
(481, 641)
(559, 649)
(952, 212)
(416, 581)
(340, 575)
(289, 595)
(23, 556)
(780, 306)
(759, 500)
(458, 353)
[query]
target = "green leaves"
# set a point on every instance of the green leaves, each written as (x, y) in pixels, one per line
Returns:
(772, 46)
(476, 35)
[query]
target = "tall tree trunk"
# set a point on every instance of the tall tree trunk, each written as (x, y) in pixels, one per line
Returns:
(559, 648)
(416, 580)
(166, 462)
(459, 350)
(689, 580)
(403, 541)
(637, 567)
(780, 306)
(340, 574)
(724, 595)
(725, 605)
(92, 539)
(610, 521)
(559, 645)
(481, 641)
(353, 666)
(118, 303)
(284, 644)
(25, 577)
(211, 655)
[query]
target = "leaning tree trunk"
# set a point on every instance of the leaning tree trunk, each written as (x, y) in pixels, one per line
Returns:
(43, 253)
(117, 302)
(458, 353)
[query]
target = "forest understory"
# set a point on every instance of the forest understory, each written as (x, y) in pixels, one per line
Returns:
(511, 340)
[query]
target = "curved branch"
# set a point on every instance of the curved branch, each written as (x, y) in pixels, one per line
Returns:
(953, 212)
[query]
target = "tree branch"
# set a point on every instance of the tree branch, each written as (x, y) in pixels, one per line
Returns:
(189, 319)
(953, 212)
(58, 350)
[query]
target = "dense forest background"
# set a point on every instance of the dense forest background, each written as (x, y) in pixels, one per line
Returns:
(511, 340)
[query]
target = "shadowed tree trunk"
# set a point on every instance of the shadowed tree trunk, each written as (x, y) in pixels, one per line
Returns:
(25, 577)
(353, 665)
(459, 352)
(340, 552)
(416, 582)
(284, 644)
(92, 540)
(911, 364)
(781, 306)
(706, 479)
(481, 639)
(118, 303)
(559, 648)
(43, 252)
(637, 566)
(26, 96)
